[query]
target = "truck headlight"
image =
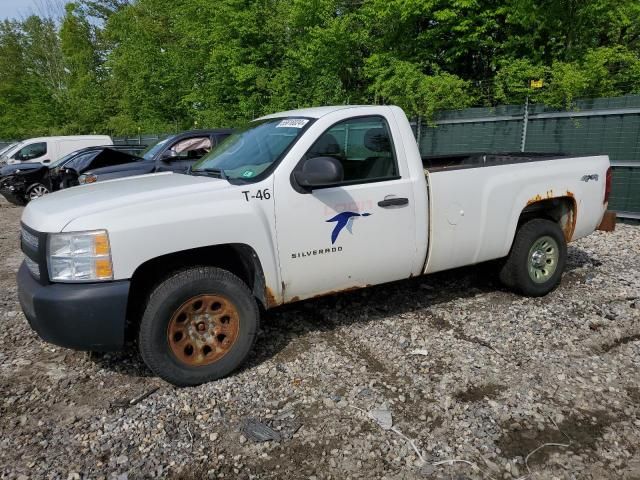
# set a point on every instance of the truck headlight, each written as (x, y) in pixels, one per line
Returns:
(79, 257)
(89, 178)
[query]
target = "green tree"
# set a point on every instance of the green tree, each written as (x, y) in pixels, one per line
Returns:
(31, 77)
(127, 65)
(84, 106)
(402, 83)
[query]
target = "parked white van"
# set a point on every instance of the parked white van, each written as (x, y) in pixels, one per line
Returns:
(49, 149)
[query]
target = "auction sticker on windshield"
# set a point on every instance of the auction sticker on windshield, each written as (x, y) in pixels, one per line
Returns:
(293, 123)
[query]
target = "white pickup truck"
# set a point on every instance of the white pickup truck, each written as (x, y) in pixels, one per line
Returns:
(296, 205)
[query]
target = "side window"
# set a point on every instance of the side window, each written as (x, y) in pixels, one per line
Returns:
(31, 151)
(363, 146)
(80, 162)
(191, 148)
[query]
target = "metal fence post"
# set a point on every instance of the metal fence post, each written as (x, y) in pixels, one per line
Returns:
(525, 121)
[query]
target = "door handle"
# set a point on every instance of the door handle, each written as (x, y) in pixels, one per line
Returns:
(393, 202)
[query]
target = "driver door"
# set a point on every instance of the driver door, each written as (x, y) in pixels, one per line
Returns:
(349, 235)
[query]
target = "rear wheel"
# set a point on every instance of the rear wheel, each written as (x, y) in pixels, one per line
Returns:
(199, 325)
(36, 190)
(537, 258)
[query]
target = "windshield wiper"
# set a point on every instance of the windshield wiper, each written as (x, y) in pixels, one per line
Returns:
(215, 171)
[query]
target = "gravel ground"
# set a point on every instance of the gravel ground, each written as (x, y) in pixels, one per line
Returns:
(451, 364)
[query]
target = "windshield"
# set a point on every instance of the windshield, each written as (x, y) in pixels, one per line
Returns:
(250, 151)
(6, 152)
(152, 150)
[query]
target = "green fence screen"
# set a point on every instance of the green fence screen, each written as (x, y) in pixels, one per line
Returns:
(608, 126)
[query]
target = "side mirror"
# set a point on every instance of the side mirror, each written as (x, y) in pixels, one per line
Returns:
(318, 172)
(168, 155)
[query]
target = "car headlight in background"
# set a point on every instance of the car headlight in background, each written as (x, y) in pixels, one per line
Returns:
(89, 178)
(79, 257)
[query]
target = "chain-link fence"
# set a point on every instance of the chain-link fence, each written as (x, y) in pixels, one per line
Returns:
(608, 126)
(147, 139)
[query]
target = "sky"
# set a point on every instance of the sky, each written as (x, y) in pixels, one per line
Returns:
(16, 8)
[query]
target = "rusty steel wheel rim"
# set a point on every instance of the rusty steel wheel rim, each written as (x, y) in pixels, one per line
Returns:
(203, 329)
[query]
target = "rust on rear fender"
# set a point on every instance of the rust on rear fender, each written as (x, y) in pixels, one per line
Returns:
(608, 223)
(570, 226)
(538, 198)
(567, 222)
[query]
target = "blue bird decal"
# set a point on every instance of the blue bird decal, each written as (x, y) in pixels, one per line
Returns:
(344, 219)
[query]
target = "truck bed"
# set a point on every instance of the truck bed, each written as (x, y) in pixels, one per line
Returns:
(438, 163)
(476, 200)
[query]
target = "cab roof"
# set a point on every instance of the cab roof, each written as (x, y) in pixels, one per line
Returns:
(314, 112)
(67, 137)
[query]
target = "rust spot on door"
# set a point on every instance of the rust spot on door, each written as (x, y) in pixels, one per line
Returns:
(348, 289)
(270, 298)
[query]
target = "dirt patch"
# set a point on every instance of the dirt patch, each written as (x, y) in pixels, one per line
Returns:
(480, 392)
(583, 432)
(634, 394)
(355, 350)
(440, 323)
(607, 347)
(294, 350)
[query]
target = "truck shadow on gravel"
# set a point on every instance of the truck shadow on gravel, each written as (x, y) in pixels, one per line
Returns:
(127, 362)
(287, 323)
(284, 328)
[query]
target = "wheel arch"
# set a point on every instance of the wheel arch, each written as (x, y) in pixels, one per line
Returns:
(239, 259)
(563, 210)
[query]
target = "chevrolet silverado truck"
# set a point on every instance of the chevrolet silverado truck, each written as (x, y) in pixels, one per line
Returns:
(296, 205)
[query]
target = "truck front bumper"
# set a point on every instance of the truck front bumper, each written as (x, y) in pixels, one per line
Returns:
(81, 316)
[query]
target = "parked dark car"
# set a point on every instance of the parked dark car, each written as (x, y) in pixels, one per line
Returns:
(173, 154)
(23, 182)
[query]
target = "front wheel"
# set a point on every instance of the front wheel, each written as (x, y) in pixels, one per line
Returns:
(537, 258)
(36, 191)
(199, 325)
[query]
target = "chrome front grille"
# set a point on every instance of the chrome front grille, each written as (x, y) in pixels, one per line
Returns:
(33, 267)
(33, 246)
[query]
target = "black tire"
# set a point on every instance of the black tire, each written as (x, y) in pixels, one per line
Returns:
(168, 297)
(515, 272)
